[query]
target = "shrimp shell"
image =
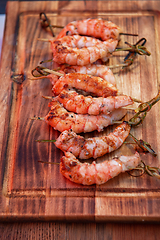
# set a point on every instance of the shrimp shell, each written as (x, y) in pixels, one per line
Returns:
(69, 141)
(97, 28)
(79, 50)
(77, 103)
(88, 174)
(88, 83)
(60, 119)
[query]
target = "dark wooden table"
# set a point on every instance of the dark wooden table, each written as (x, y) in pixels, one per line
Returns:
(107, 229)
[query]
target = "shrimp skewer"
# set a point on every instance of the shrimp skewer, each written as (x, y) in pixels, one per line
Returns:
(60, 119)
(88, 83)
(97, 28)
(69, 141)
(101, 71)
(80, 50)
(77, 103)
(88, 174)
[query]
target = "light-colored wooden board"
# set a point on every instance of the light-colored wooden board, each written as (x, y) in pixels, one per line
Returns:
(31, 190)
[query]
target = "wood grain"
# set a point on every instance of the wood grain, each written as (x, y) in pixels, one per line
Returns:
(31, 190)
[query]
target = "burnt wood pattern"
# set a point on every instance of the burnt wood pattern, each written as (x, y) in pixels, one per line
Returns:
(32, 190)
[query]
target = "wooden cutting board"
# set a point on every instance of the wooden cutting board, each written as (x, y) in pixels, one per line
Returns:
(32, 190)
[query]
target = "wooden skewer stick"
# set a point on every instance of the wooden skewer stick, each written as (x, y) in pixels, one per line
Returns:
(43, 39)
(49, 162)
(44, 72)
(53, 72)
(118, 65)
(129, 34)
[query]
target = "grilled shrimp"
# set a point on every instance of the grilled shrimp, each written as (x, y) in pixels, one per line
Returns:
(80, 50)
(102, 71)
(78, 103)
(97, 28)
(88, 174)
(60, 119)
(69, 141)
(88, 83)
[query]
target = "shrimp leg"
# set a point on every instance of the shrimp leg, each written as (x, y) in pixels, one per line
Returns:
(88, 174)
(69, 141)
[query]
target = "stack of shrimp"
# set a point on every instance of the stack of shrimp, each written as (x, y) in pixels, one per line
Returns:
(85, 99)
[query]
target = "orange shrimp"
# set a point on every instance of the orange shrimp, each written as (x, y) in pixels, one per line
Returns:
(88, 174)
(98, 70)
(69, 141)
(88, 83)
(97, 28)
(78, 103)
(60, 119)
(80, 50)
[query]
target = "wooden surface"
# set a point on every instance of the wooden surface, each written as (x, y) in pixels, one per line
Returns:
(28, 188)
(79, 231)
